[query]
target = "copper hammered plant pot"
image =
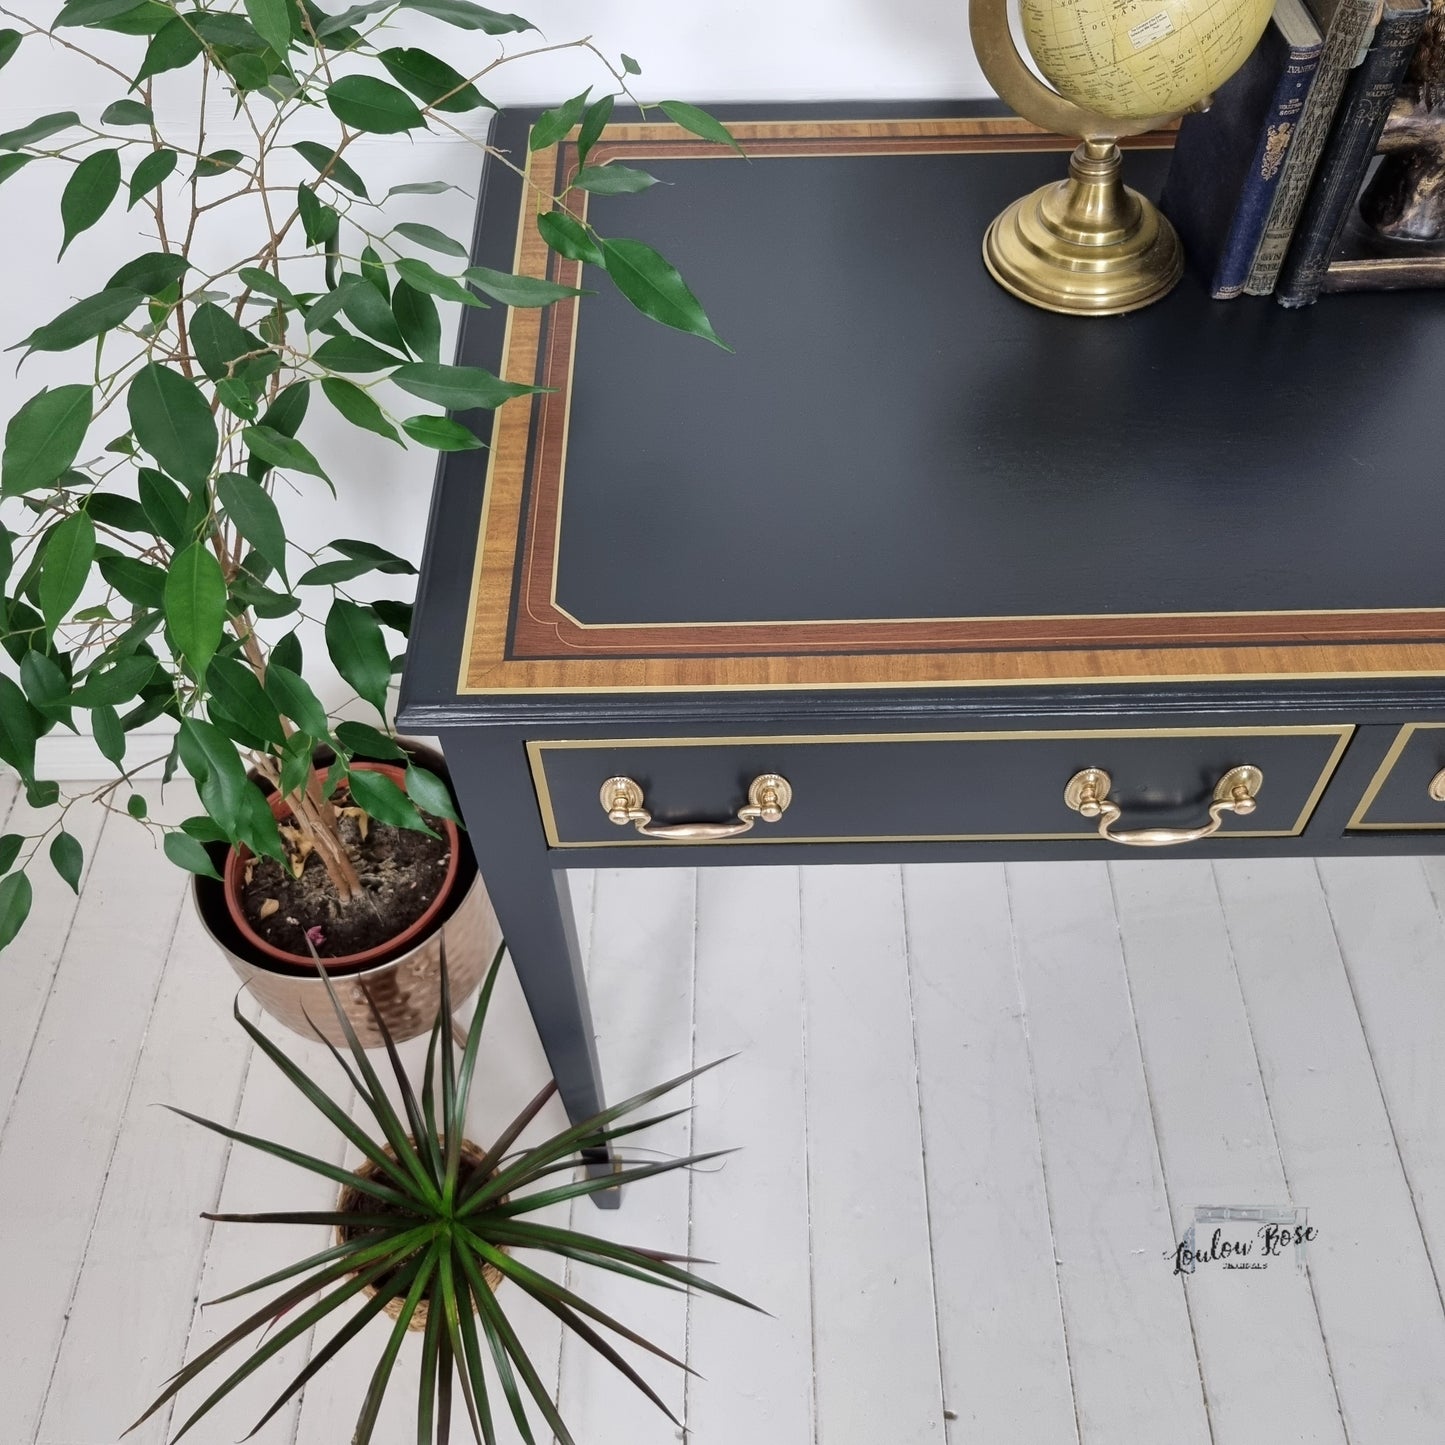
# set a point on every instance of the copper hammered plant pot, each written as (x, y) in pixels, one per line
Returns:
(405, 987)
(352, 1201)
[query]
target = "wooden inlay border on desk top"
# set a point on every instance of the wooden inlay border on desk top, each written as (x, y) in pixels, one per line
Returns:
(541, 647)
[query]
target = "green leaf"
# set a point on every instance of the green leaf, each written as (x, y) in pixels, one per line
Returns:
(359, 737)
(295, 763)
(14, 906)
(373, 270)
(172, 422)
(458, 388)
(10, 846)
(267, 285)
(140, 583)
(416, 314)
(568, 237)
(218, 163)
(655, 288)
(366, 103)
(126, 112)
(218, 340)
(172, 47)
(165, 505)
(117, 683)
(110, 739)
(613, 180)
(378, 558)
(384, 801)
(145, 19)
(186, 853)
(630, 66)
(466, 16)
(69, 551)
(431, 238)
(421, 188)
(17, 729)
(195, 605)
(352, 354)
(328, 163)
(92, 12)
(210, 758)
(293, 696)
(150, 274)
(358, 408)
(552, 125)
(356, 646)
(235, 688)
(429, 79)
(699, 122)
(250, 72)
(320, 223)
(368, 311)
(393, 614)
(430, 794)
(518, 290)
(226, 31)
(9, 44)
(593, 124)
(124, 514)
(287, 652)
(136, 804)
(281, 451)
(272, 22)
(150, 173)
(253, 513)
(84, 321)
(68, 858)
(422, 276)
(45, 684)
(10, 163)
(38, 130)
(441, 434)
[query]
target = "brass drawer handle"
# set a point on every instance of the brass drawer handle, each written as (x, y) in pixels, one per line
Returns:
(1088, 793)
(1437, 787)
(768, 799)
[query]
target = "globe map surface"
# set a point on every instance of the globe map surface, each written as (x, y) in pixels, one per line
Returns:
(1129, 59)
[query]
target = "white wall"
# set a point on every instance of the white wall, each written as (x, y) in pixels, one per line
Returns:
(743, 50)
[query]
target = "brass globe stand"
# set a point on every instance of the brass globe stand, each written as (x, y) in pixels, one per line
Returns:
(1089, 245)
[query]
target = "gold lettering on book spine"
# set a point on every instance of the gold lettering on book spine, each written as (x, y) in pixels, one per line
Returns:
(1275, 144)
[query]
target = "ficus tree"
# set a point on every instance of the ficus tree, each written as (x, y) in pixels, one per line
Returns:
(148, 567)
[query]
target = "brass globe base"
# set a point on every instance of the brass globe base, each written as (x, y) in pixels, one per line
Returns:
(1087, 246)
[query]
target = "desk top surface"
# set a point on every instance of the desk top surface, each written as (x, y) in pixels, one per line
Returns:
(902, 477)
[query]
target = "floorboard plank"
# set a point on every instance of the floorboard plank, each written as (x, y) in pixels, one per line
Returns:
(751, 1215)
(1380, 1313)
(149, 1240)
(1005, 1362)
(1136, 1377)
(876, 1367)
(1266, 1375)
(641, 976)
(57, 1147)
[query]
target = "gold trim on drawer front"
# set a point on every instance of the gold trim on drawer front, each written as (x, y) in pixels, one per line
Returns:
(1387, 766)
(536, 759)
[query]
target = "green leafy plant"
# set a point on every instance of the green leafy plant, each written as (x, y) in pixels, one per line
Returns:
(432, 1219)
(155, 574)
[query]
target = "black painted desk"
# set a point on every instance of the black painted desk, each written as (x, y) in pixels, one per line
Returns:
(921, 551)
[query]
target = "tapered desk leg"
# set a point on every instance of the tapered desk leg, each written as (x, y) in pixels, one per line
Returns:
(534, 908)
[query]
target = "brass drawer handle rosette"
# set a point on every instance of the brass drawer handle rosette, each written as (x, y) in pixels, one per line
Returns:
(768, 799)
(1087, 793)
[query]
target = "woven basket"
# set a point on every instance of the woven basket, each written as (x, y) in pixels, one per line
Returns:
(353, 1201)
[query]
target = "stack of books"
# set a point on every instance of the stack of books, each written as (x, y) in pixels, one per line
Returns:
(1263, 184)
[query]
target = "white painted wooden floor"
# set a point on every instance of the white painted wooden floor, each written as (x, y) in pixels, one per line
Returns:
(978, 1105)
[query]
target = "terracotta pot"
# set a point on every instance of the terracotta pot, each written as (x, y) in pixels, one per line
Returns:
(237, 859)
(352, 1201)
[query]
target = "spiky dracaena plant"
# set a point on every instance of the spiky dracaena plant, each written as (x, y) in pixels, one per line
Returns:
(439, 1228)
(148, 566)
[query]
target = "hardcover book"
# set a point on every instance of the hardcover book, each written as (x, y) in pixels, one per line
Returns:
(1346, 25)
(1347, 154)
(1227, 161)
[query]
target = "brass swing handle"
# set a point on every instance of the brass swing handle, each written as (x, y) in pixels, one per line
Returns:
(768, 799)
(1087, 792)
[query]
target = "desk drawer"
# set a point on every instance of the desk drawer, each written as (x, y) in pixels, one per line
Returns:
(1398, 798)
(914, 787)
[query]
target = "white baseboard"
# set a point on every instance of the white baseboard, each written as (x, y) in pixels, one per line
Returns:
(74, 757)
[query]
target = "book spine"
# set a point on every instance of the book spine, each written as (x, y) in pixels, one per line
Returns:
(1347, 155)
(1262, 181)
(1341, 51)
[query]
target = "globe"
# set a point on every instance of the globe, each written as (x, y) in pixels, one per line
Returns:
(1129, 59)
